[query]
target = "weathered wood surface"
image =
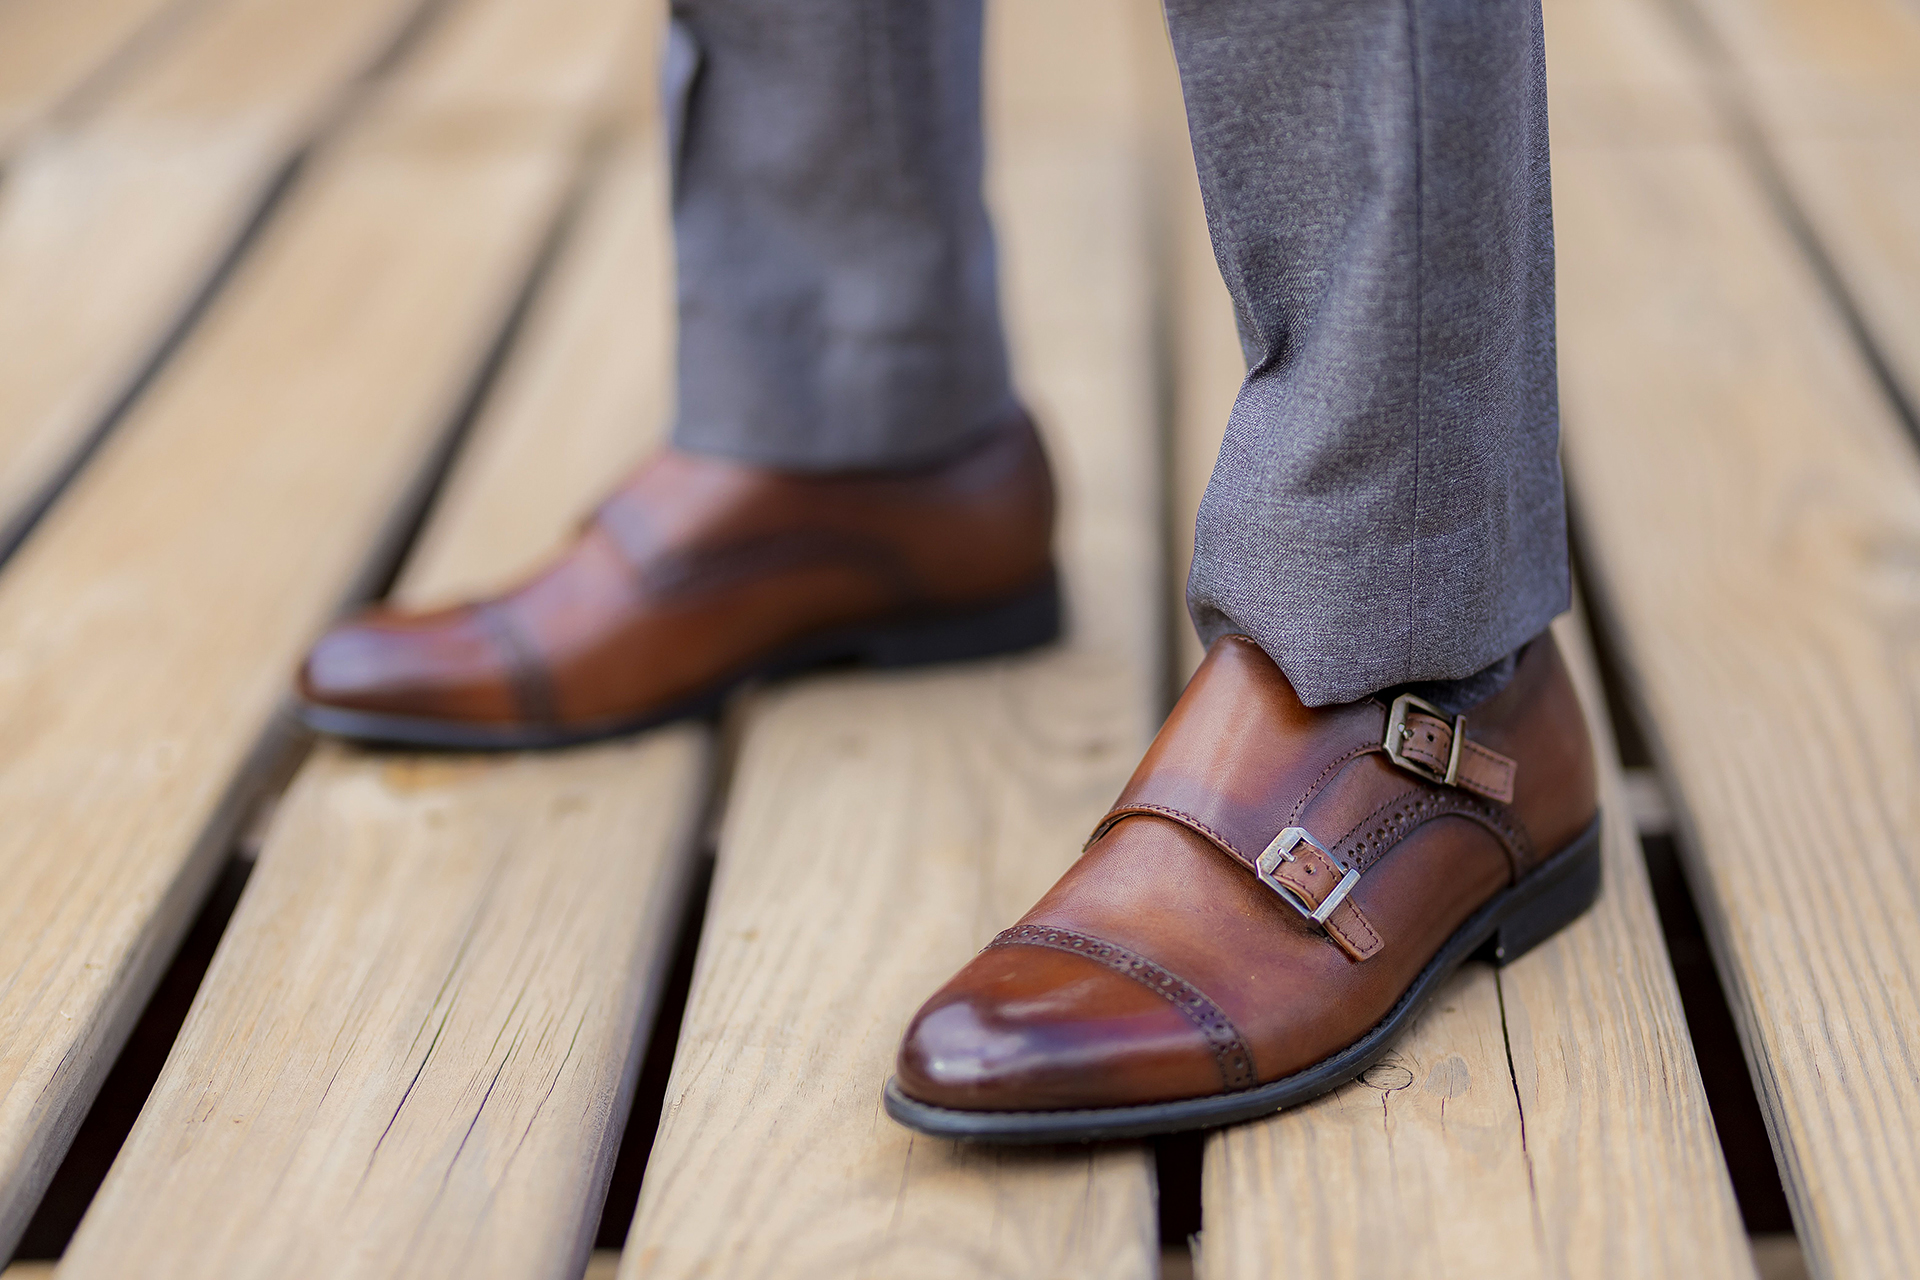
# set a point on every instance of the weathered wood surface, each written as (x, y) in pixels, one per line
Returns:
(51, 52)
(1751, 509)
(111, 225)
(415, 1050)
(1619, 73)
(148, 628)
(1834, 88)
(1545, 1120)
(882, 827)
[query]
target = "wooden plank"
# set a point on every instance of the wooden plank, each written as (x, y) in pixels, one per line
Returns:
(1833, 68)
(148, 627)
(1544, 1120)
(1620, 73)
(519, 908)
(111, 226)
(1834, 87)
(882, 827)
(50, 52)
(1748, 505)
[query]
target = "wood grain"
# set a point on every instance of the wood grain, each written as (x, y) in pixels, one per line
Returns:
(1749, 507)
(1548, 1120)
(1623, 72)
(415, 1049)
(147, 629)
(1833, 87)
(111, 225)
(882, 827)
(51, 52)
(1814, 68)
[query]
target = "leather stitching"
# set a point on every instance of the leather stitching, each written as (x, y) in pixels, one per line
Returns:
(1326, 775)
(1482, 769)
(1413, 808)
(1501, 766)
(1180, 816)
(1230, 1052)
(1313, 875)
(1362, 947)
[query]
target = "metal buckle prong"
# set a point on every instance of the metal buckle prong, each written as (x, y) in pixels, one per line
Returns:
(1398, 734)
(1281, 850)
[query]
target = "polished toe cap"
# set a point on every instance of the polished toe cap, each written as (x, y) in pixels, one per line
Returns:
(1025, 1028)
(440, 665)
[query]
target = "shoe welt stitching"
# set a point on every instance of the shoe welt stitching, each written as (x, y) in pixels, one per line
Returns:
(1230, 1052)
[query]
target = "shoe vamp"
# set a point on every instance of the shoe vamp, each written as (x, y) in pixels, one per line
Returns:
(1167, 893)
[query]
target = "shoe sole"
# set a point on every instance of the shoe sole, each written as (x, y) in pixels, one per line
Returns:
(1511, 924)
(1024, 622)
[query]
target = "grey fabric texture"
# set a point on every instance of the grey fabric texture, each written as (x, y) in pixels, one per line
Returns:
(838, 303)
(1387, 507)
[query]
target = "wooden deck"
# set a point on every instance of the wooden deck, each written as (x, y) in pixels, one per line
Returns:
(303, 298)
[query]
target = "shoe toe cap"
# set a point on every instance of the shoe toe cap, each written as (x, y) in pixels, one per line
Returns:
(438, 665)
(1026, 1028)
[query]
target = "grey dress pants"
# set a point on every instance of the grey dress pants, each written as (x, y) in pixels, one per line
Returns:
(1387, 507)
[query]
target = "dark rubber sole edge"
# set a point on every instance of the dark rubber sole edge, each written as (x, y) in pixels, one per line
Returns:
(1024, 622)
(1506, 928)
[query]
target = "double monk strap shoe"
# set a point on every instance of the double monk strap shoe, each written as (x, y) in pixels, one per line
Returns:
(1274, 897)
(699, 574)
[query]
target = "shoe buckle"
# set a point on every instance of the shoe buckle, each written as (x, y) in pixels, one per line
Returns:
(1399, 734)
(1281, 850)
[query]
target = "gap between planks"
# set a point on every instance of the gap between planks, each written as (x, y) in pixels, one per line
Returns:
(522, 907)
(53, 54)
(882, 827)
(1825, 99)
(220, 525)
(115, 226)
(1544, 1121)
(1747, 500)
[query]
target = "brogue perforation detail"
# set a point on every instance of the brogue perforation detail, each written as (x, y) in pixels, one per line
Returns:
(1394, 821)
(1230, 1052)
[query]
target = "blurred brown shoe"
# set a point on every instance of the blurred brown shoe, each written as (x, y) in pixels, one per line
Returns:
(698, 574)
(1275, 895)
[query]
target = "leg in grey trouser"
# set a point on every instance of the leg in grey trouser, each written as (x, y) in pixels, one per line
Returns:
(838, 301)
(1387, 506)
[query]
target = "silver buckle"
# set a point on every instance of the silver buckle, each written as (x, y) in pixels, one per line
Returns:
(1281, 850)
(1398, 734)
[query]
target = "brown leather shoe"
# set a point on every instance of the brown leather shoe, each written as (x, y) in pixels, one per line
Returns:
(698, 574)
(1275, 895)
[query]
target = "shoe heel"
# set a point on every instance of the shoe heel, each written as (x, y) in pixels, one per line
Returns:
(1556, 895)
(1025, 622)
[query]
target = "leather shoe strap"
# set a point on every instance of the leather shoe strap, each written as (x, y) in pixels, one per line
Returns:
(1428, 739)
(1314, 877)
